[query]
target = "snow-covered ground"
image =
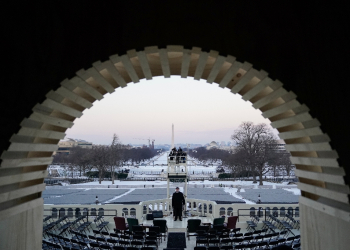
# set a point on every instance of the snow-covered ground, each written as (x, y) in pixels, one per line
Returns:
(207, 182)
(155, 165)
(108, 192)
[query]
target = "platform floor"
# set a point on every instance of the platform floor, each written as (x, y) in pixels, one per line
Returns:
(178, 226)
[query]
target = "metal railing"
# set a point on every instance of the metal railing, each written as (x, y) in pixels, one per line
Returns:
(57, 214)
(263, 212)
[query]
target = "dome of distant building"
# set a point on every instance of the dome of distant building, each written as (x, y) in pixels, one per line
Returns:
(65, 145)
(213, 144)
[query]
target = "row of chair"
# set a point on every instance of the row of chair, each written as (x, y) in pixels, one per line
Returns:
(101, 223)
(122, 226)
(259, 240)
(194, 224)
(50, 224)
(247, 246)
(291, 221)
(272, 223)
(103, 240)
(253, 223)
(46, 245)
(80, 224)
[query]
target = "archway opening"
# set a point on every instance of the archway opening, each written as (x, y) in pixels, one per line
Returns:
(200, 112)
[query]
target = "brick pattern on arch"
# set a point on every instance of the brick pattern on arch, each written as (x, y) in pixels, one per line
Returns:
(24, 164)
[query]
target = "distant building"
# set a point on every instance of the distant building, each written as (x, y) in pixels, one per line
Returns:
(212, 145)
(222, 146)
(64, 146)
(280, 145)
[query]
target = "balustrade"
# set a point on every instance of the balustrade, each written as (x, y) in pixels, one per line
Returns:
(194, 207)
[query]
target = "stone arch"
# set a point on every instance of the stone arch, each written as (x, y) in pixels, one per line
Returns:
(101, 212)
(93, 212)
(222, 211)
(275, 212)
(61, 212)
(282, 211)
(229, 211)
(252, 211)
(77, 212)
(267, 211)
(322, 181)
(70, 212)
(85, 211)
(54, 212)
(125, 211)
(133, 211)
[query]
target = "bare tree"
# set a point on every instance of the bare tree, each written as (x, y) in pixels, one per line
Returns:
(115, 156)
(100, 159)
(80, 158)
(238, 162)
(60, 158)
(258, 144)
(283, 161)
(274, 167)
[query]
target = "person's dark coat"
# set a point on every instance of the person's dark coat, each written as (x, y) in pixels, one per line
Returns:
(178, 200)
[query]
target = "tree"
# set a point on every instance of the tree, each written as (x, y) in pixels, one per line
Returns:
(80, 158)
(282, 161)
(257, 143)
(115, 155)
(209, 156)
(237, 162)
(60, 158)
(100, 159)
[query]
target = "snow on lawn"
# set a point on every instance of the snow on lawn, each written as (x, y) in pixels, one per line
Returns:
(296, 191)
(117, 182)
(233, 192)
(249, 184)
(117, 197)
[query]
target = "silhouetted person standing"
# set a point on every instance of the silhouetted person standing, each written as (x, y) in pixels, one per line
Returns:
(173, 153)
(178, 155)
(178, 201)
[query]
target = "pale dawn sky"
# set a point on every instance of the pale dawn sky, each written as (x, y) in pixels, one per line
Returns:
(201, 113)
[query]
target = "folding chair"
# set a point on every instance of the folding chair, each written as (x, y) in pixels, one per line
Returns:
(163, 228)
(192, 227)
(231, 222)
(120, 224)
(132, 222)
